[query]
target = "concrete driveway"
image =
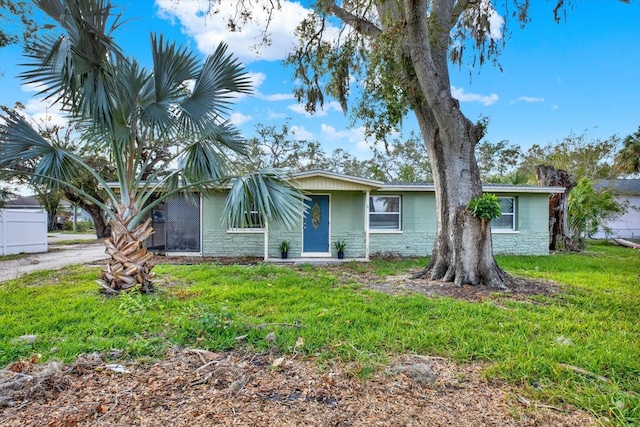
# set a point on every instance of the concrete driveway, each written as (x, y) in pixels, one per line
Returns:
(59, 256)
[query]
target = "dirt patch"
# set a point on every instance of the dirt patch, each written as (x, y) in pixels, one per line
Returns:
(406, 283)
(201, 388)
(520, 289)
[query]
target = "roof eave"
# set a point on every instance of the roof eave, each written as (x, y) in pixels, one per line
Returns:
(485, 188)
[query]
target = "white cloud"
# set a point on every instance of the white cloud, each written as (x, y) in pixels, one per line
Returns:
(299, 108)
(496, 22)
(32, 87)
(45, 114)
(300, 133)
(209, 29)
(257, 79)
(353, 136)
(238, 119)
(460, 95)
(276, 97)
(555, 107)
(528, 99)
(274, 115)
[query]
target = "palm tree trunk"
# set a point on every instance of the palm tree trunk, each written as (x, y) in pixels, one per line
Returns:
(129, 264)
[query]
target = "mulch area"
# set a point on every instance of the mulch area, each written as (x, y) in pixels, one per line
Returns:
(194, 387)
(201, 388)
(520, 289)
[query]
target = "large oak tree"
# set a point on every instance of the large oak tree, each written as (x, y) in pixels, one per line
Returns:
(401, 51)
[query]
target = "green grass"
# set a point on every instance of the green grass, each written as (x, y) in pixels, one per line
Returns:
(12, 256)
(593, 324)
(73, 242)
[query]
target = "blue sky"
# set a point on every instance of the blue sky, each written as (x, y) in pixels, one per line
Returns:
(579, 75)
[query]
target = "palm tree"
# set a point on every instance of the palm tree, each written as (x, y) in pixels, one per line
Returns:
(126, 109)
(628, 158)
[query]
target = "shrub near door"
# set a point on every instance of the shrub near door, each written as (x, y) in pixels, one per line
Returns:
(284, 249)
(340, 246)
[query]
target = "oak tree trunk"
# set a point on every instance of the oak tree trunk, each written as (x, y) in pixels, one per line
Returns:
(99, 221)
(549, 176)
(103, 230)
(462, 253)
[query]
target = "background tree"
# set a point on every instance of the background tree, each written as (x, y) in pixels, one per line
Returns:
(17, 22)
(401, 161)
(50, 194)
(549, 176)
(4, 196)
(497, 161)
(627, 160)
(278, 148)
(579, 155)
(590, 209)
(565, 163)
(346, 163)
(121, 108)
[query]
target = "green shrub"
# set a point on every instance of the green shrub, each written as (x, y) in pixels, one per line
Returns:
(486, 207)
(82, 226)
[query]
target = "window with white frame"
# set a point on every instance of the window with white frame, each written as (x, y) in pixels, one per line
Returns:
(385, 213)
(252, 222)
(506, 221)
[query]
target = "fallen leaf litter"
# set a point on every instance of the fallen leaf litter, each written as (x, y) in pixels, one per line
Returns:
(194, 387)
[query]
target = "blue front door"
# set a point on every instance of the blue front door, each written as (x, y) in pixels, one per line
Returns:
(316, 225)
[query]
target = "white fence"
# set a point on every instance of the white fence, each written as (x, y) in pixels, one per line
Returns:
(23, 230)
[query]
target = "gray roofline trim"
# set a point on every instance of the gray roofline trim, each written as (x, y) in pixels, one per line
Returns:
(401, 187)
(428, 187)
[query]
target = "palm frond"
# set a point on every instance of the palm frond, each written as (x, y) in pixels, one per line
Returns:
(224, 135)
(270, 193)
(202, 161)
(19, 141)
(172, 67)
(77, 68)
(52, 165)
(221, 78)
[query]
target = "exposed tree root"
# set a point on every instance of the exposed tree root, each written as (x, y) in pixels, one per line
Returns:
(495, 278)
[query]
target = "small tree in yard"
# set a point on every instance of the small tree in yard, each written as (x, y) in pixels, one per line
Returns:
(123, 108)
(589, 209)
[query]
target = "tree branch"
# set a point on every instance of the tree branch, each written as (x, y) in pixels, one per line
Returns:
(361, 25)
(459, 8)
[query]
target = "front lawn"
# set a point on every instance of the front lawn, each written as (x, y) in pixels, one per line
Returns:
(580, 346)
